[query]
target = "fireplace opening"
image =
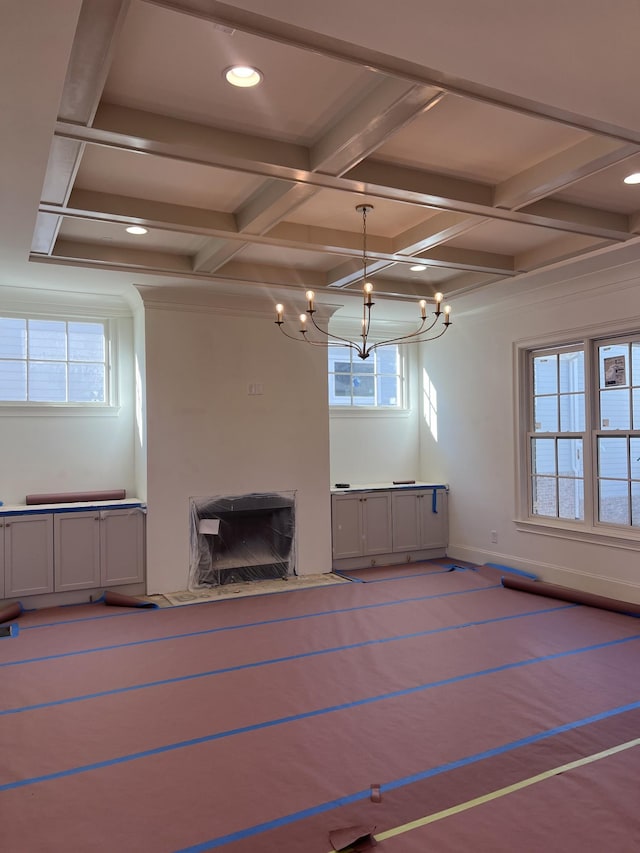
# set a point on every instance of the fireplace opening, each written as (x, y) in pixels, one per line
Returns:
(241, 538)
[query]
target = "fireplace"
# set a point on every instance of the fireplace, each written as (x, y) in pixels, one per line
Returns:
(241, 538)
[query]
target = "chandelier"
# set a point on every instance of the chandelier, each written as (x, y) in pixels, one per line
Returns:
(364, 347)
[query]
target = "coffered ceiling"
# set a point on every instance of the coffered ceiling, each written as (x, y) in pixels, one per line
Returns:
(259, 186)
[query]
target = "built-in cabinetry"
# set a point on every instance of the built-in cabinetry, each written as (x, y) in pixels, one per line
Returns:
(389, 525)
(361, 524)
(62, 549)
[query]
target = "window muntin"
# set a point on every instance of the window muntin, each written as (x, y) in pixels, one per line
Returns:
(53, 361)
(583, 433)
(376, 382)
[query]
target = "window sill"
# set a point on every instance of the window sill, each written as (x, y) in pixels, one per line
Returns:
(611, 538)
(64, 410)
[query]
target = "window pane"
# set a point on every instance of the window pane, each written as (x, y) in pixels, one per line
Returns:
(570, 457)
(612, 458)
(571, 371)
(387, 358)
(635, 504)
(571, 499)
(572, 413)
(544, 496)
(47, 382)
(339, 355)
(614, 365)
(364, 390)
(86, 383)
(634, 452)
(341, 384)
(545, 374)
(47, 340)
(636, 408)
(360, 366)
(546, 414)
(13, 337)
(86, 342)
(614, 409)
(635, 363)
(388, 391)
(543, 455)
(614, 502)
(13, 381)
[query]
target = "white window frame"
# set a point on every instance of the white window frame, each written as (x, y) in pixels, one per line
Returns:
(617, 536)
(386, 411)
(111, 405)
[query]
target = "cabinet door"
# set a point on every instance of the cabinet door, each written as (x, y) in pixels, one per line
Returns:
(122, 546)
(28, 555)
(76, 539)
(346, 526)
(406, 507)
(434, 525)
(376, 522)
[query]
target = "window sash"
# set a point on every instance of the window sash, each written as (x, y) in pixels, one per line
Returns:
(47, 361)
(365, 376)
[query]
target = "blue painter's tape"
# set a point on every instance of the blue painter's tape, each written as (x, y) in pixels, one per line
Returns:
(307, 715)
(359, 796)
(8, 631)
(270, 661)
(510, 570)
(249, 625)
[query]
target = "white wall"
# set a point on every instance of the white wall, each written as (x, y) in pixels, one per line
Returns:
(472, 368)
(58, 450)
(207, 436)
(378, 447)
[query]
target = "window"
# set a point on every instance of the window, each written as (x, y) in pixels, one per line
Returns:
(53, 361)
(583, 433)
(377, 381)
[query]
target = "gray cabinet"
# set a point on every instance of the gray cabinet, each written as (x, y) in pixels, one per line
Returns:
(390, 525)
(361, 524)
(98, 548)
(61, 551)
(27, 554)
(420, 520)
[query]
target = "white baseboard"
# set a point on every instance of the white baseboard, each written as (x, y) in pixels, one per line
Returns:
(561, 575)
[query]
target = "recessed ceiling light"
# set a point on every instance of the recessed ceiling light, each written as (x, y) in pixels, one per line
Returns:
(136, 229)
(243, 76)
(418, 267)
(633, 179)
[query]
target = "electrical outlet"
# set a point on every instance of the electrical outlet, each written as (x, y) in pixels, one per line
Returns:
(494, 537)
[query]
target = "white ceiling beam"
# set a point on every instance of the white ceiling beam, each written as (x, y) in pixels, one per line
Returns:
(561, 170)
(586, 220)
(433, 231)
(99, 23)
(564, 248)
(371, 178)
(469, 259)
(375, 118)
(379, 114)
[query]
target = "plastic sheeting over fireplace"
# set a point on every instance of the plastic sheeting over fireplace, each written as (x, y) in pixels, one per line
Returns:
(241, 538)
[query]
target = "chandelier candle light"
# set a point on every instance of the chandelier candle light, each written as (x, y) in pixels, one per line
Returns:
(364, 348)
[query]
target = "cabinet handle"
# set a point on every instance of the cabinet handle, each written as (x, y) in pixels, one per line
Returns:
(8, 524)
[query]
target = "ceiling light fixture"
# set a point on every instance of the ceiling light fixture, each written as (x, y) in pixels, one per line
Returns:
(136, 229)
(242, 76)
(418, 268)
(633, 179)
(364, 348)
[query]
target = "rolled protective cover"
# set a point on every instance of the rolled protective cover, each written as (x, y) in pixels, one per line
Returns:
(10, 611)
(576, 596)
(76, 497)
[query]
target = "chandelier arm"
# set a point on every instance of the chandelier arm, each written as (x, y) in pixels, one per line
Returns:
(303, 339)
(419, 331)
(412, 339)
(345, 341)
